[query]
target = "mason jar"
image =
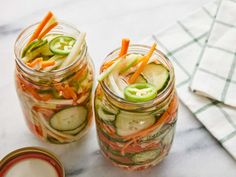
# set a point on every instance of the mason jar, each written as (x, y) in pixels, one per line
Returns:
(42, 93)
(113, 114)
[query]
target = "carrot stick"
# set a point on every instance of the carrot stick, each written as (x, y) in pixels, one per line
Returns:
(71, 92)
(67, 91)
(124, 47)
(123, 51)
(35, 62)
(45, 64)
(133, 78)
(47, 30)
(40, 26)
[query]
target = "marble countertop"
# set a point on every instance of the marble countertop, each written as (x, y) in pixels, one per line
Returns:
(194, 153)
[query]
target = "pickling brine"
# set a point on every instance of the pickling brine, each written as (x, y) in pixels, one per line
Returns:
(54, 80)
(136, 106)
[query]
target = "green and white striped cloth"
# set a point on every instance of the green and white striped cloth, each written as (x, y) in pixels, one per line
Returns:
(184, 43)
(215, 76)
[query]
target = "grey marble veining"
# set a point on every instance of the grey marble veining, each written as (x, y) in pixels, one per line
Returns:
(194, 152)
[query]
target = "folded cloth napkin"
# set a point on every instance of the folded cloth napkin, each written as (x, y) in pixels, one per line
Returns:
(215, 76)
(183, 44)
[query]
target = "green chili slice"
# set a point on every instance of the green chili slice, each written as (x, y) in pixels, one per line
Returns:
(61, 45)
(140, 92)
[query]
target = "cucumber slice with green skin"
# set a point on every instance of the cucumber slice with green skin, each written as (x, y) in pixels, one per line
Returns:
(157, 75)
(114, 153)
(69, 118)
(45, 51)
(130, 123)
(141, 79)
(106, 107)
(104, 115)
(158, 133)
(33, 46)
(77, 130)
(108, 136)
(146, 156)
(105, 112)
(27, 48)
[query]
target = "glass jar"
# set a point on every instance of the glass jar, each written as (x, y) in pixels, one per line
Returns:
(43, 97)
(114, 115)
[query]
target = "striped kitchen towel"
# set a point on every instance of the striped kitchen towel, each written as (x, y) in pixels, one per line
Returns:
(215, 77)
(183, 43)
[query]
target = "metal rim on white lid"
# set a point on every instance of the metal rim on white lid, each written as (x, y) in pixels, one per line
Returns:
(22, 154)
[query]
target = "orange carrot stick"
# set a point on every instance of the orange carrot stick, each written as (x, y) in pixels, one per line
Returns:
(35, 62)
(71, 92)
(124, 47)
(123, 51)
(133, 78)
(40, 26)
(45, 64)
(47, 30)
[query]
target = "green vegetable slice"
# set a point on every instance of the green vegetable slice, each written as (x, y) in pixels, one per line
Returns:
(62, 45)
(146, 156)
(69, 119)
(141, 79)
(157, 75)
(140, 92)
(129, 123)
(33, 46)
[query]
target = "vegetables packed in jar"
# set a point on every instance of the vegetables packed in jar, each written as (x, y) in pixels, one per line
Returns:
(136, 106)
(54, 79)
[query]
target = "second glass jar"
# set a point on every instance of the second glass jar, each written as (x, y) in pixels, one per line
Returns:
(116, 119)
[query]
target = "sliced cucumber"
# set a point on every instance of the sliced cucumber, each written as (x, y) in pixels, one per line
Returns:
(146, 156)
(105, 112)
(27, 48)
(34, 50)
(106, 106)
(129, 123)
(157, 75)
(77, 130)
(69, 118)
(33, 46)
(45, 51)
(158, 133)
(104, 115)
(141, 79)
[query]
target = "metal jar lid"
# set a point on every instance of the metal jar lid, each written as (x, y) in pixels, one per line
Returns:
(19, 155)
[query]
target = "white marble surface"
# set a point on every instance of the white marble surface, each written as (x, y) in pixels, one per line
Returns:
(194, 153)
